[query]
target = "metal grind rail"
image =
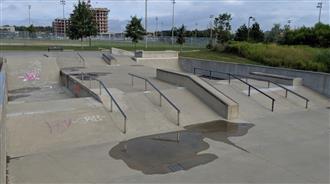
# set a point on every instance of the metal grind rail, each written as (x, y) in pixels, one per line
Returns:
(210, 72)
(81, 59)
(112, 99)
(147, 81)
(249, 85)
(106, 58)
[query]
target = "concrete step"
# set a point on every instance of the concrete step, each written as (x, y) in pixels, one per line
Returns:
(55, 125)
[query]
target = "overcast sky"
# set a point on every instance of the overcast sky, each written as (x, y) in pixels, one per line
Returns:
(192, 13)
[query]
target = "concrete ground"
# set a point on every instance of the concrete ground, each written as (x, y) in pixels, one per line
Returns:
(60, 139)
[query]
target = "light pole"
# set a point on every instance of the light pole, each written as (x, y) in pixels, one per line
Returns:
(146, 23)
(319, 6)
(253, 19)
(64, 21)
(173, 1)
(156, 32)
(29, 7)
(211, 28)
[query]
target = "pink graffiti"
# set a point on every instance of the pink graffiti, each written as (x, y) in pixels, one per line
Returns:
(57, 127)
(31, 76)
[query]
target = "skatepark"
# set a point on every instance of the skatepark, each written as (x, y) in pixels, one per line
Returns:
(123, 117)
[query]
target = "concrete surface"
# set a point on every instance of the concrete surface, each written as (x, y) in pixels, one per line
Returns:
(69, 140)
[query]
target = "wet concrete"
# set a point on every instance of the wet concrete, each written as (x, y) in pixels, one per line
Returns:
(175, 151)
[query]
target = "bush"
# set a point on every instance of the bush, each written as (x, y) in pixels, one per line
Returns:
(297, 57)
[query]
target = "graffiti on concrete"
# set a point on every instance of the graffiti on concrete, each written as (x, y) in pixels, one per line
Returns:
(32, 75)
(60, 126)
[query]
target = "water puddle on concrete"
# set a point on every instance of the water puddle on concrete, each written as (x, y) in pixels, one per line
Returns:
(175, 151)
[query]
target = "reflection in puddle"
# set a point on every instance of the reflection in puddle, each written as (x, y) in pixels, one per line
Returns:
(175, 151)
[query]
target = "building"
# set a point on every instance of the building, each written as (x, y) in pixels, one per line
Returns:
(10, 29)
(101, 19)
(59, 25)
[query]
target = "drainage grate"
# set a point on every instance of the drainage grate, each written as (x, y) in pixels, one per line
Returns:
(175, 167)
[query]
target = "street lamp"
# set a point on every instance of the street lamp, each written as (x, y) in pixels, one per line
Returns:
(253, 19)
(211, 29)
(64, 22)
(319, 6)
(29, 7)
(146, 23)
(173, 1)
(156, 31)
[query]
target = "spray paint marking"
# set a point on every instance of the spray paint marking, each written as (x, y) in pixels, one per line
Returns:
(60, 126)
(31, 76)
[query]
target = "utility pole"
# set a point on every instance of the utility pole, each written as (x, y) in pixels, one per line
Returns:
(146, 23)
(64, 21)
(211, 28)
(319, 6)
(173, 1)
(29, 7)
(253, 19)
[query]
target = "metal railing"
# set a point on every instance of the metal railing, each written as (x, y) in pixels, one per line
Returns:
(244, 82)
(106, 58)
(147, 81)
(210, 72)
(112, 99)
(82, 60)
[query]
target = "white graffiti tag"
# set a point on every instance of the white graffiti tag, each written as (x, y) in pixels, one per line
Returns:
(31, 76)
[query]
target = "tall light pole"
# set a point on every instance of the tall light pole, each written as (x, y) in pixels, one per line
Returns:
(146, 23)
(173, 1)
(211, 28)
(64, 21)
(29, 7)
(319, 6)
(253, 19)
(156, 31)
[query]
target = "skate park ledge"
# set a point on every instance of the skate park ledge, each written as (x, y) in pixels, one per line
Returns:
(220, 103)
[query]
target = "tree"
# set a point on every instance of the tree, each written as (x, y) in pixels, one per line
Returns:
(82, 23)
(222, 27)
(32, 31)
(274, 35)
(181, 36)
(242, 33)
(135, 30)
(256, 33)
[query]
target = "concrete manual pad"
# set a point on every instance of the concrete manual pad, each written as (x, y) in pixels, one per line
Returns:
(48, 126)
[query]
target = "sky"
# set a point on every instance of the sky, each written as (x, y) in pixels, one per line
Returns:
(192, 13)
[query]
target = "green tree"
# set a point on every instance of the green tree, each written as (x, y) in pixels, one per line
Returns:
(135, 30)
(32, 31)
(274, 35)
(242, 33)
(256, 33)
(82, 23)
(181, 36)
(222, 27)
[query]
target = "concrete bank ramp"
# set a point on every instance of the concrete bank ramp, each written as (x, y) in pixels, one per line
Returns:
(215, 99)
(31, 72)
(54, 125)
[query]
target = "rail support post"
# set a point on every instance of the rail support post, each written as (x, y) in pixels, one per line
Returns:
(286, 93)
(160, 100)
(178, 118)
(306, 104)
(229, 78)
(125, 127)
(273, 101)
(111, 105)
(100, 88)
(249, 91)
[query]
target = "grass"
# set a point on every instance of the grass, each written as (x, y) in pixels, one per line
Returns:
(217, 56)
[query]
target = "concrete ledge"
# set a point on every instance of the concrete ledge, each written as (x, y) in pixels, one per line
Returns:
(3, 102)
(282, 79)
(220, 103)
(116, 51)
(156, 54)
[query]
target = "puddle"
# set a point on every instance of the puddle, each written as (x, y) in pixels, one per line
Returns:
(175, 151)
(24, 90)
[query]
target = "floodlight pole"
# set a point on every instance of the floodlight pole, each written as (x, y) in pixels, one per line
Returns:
(173, 1)
(211, 28)
(250, 18)
(146, 23)
(64, 21)
(319, 6)
(29, 7)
